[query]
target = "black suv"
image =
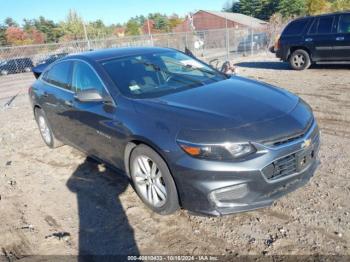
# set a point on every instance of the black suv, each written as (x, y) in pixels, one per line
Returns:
(315, 39)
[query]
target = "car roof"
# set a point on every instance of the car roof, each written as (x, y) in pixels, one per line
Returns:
(312, 16)
(110, 53)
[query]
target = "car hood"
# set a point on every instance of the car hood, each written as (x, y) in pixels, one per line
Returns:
(240, 106)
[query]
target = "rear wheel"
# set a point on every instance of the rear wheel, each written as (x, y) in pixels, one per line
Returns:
(152, 180)
(300, 60)
(45, 129)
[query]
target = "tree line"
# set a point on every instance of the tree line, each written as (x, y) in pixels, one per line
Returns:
(264, 9)
(42, 30)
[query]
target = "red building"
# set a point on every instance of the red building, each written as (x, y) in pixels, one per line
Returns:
(206, 20)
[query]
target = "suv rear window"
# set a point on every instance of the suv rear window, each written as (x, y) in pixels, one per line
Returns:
(322, 25)
(295, 27)
(344, 24)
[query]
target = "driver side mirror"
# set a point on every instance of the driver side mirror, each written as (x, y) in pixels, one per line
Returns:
(89, 95)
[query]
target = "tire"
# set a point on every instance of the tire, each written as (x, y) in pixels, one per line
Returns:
(300, 60)
(45, 129)
(156, 189)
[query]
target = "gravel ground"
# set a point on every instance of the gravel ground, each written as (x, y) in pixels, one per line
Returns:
(58, 202)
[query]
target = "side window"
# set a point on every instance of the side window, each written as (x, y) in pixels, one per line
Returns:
(322, 25)
(85, 78)
(325, 25)
(344, 24)
(59, 75)
(314, 26)
(295, 27)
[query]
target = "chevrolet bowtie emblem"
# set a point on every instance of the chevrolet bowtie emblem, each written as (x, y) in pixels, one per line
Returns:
(306, 143)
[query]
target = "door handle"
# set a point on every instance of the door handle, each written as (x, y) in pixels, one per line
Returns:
(340, 38)
(309, 39)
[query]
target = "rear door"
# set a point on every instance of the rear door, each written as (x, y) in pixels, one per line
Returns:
(342, 38)
(57, 99)
(320, 38)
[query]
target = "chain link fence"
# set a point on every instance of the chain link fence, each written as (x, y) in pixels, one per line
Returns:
(212, 46)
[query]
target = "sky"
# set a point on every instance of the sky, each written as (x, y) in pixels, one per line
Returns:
(109, 11)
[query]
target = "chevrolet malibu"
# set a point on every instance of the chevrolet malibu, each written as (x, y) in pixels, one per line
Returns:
(185, 134)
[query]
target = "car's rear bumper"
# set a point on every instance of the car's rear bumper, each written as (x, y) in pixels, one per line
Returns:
(217, 188)
(282, 54)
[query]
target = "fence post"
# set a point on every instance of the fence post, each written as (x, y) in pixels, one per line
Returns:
(251, 41)
(152, 43)
(227, 40)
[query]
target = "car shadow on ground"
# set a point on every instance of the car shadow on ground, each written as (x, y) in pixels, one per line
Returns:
(276, 65)
(265, 65)
(103, 225)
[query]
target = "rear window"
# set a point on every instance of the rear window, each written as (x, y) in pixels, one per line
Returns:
(295, 27)
(344, 24)
(322, 25)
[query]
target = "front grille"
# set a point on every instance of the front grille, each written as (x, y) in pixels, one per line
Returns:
(282, 167)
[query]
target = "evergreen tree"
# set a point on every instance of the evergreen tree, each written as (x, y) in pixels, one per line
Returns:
(251, 7)
(52, 30)
(232, 6)
(269, 7)
(132, 27)
(290, 8)
(3, 41)
(10, 22)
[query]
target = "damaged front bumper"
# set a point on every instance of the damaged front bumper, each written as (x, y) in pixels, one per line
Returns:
(220, 188)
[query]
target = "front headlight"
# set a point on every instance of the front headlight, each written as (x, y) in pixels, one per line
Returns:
(224, 151)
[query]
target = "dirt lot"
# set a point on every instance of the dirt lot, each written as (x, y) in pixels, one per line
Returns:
(57, 202)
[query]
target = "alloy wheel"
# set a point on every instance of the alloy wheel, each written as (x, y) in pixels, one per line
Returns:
(299, 60)
(149, 181)
(44, 129)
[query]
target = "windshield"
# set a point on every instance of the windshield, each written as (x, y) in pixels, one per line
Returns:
(156, 74)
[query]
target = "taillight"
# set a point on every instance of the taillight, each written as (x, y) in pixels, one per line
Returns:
(277, 43)
(30, 89)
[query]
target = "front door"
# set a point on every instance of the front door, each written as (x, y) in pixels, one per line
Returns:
(96, 129)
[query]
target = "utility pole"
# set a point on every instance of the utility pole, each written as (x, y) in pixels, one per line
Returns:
(149, 31)
(86, 36)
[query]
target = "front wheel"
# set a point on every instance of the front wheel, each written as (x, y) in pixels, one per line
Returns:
(300, 60)
(152, 180)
